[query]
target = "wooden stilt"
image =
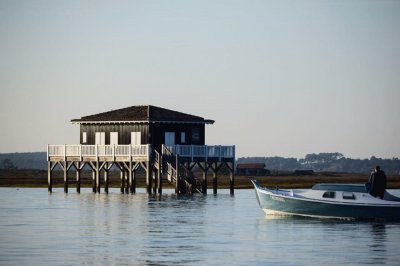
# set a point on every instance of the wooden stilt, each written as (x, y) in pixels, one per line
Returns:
(78, 180)
(106, 178)
(65, 176)
(177, 174)
(155, 182)
(126, 182)
(232, 178)
(134, 181)
(131, 177)
(94, 180)
(205, 172)
(215, 179)
(148, 178)
(122, 174)
(160, 178)
(49, 177)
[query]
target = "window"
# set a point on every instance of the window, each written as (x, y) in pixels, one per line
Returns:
(136, 138)
(84, 137)
(183, 137)
(329, 195)
(113, 138)
(349, 195)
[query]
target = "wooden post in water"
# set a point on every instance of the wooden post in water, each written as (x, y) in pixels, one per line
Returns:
(49, 177)
(232, 178)
(94, 181)
(78, 178)
(127, 182)
(65, 176)
(148, 177)
(131, 177)
(205, 172)
(177, 174)
(215, 179)
(155, 182)
(122, 181)
(159, 175)
(106, 178)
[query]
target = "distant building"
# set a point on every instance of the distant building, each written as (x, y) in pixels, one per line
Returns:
(252, 169)
(304, 172)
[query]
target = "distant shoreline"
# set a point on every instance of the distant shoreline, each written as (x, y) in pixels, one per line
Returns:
(38, 178)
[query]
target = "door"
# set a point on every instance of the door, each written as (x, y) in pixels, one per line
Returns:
(169, 138)
(136, 138)
(100, 138)
(113, 138)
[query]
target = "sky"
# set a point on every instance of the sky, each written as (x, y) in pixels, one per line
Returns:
(280, 78)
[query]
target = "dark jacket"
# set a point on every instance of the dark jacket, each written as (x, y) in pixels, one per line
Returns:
(377, 182)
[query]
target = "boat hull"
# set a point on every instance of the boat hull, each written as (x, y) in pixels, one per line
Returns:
(273, 204)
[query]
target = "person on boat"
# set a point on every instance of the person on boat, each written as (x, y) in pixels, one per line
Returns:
(377, 182)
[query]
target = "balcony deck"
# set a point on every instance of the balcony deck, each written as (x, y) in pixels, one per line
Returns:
(137, 153)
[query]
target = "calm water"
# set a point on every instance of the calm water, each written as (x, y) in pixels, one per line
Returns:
(41, 229)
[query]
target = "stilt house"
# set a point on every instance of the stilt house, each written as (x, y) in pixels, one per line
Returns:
(166, 144)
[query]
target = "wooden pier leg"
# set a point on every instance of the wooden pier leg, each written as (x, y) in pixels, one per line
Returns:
(127, 182)
(215, 179)
(130, 177)
(66, 177)
(155, 182)
(159, 178)
(78, 180)
(232, 179)
(98, 179)
(122, 174)
(134, 181)
(148, 178)
(177, 174)
(106, 178)
(205, 172)
(49, 177)
(94, 181)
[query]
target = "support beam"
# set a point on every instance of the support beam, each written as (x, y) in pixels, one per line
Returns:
(177, 174)
(94, 180)
(122, 180)
(49, 177)
(232, 178)
(98, 179)
(148, 178)
(155, 182)
(215, 179)
(204, 183)
(127, 182)
(160, 178)
(131, 177)
(106, 178)
(65, 176)
(78, 180)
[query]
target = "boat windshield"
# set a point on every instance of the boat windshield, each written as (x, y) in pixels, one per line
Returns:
(341, 187)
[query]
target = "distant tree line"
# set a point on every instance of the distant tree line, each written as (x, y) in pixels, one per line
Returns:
(326, 162)
(321, 162)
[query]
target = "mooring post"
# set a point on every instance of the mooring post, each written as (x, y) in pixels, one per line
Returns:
(65, 176)
(49, 177)
(155, 182)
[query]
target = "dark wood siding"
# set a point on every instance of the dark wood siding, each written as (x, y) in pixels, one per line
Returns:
(150, 134)
(124, 132)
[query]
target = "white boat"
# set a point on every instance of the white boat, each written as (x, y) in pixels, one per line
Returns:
(342, 201)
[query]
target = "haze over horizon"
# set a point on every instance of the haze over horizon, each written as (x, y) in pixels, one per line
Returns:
(280, 78)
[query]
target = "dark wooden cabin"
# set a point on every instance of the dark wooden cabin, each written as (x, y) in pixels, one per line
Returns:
(140, 125)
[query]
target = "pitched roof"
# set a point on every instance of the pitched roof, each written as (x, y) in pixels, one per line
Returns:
(142, 113)
(251, 166)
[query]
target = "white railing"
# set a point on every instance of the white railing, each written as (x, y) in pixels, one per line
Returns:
(98, 150)
(203, 151)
